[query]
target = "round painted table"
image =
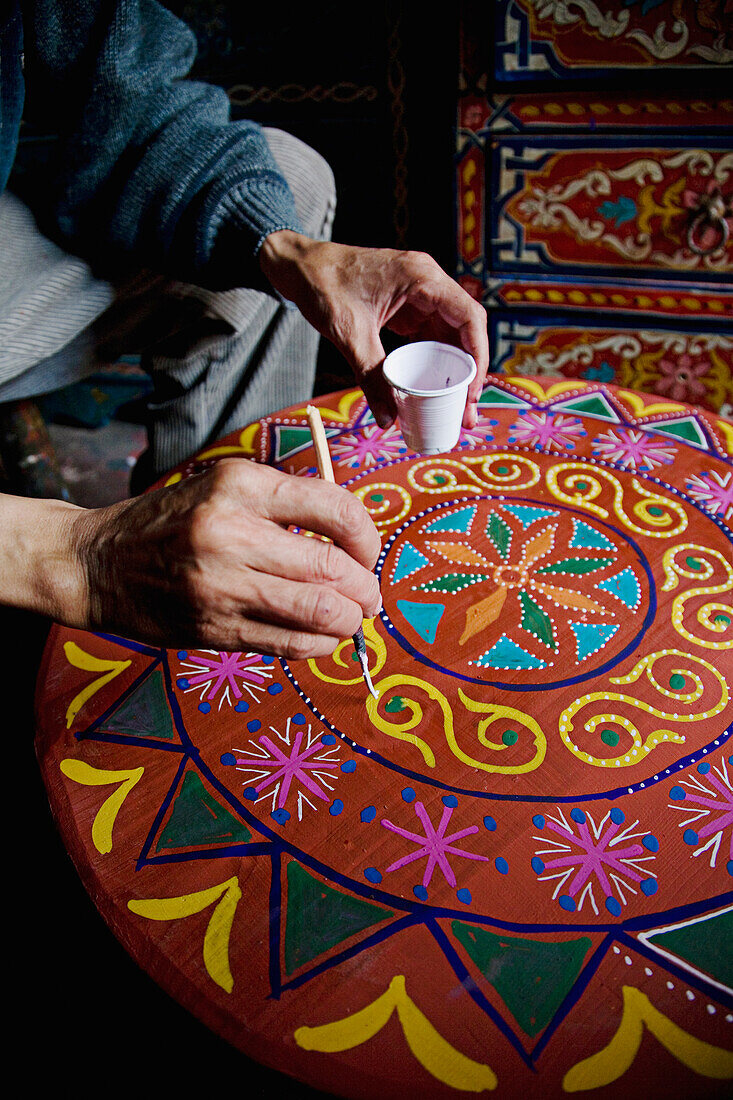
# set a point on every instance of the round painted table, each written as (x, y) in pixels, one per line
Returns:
(513, 871)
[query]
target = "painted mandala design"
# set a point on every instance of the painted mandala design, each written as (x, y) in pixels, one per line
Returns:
(532, 821)
(515, 569)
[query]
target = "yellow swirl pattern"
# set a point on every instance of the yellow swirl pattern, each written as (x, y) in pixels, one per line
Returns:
(373, 641)
(503, 470)
(709, 615)
(656, 512)
(495, 711)
(401, 729)
(641, 747)
(380, 510)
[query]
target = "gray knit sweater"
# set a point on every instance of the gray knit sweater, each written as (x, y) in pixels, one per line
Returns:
(148, 167)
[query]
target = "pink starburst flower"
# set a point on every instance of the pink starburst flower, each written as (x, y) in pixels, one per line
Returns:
(368, 447)
(595, 855)
(433, 845)
(714, 491)
(547, 431)
(632, 449)
(708, 806)
(228, 675)
(289, 765)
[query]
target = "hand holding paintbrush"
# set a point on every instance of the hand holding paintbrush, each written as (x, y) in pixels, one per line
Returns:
(325, 470)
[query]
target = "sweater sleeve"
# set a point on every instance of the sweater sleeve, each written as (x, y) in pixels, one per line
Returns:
(149, 167)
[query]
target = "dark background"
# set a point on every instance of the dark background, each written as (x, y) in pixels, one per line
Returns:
(373, 89)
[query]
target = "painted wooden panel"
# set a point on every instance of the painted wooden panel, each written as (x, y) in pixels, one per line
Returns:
(536, 39)
(612, 203)
(593, 111)
(674, 363)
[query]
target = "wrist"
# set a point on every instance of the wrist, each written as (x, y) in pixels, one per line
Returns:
(40, 564)
(280, 256)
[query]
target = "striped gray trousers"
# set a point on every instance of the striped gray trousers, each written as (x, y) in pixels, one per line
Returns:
(217, 360)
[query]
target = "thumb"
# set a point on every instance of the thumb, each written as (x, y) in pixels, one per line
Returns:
(366, 356)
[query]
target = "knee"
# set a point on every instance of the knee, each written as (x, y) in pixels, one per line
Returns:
(310, 178)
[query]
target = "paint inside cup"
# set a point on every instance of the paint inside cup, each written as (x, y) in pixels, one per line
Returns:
(430, 382)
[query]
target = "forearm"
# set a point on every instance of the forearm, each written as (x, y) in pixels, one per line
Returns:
(40, 569)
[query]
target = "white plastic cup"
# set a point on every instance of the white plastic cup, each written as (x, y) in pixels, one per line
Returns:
(430, 382)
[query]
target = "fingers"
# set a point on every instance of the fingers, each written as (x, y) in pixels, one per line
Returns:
(271, 551)
(314, 505)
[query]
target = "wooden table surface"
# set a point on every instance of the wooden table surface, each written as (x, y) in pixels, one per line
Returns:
(512, 872)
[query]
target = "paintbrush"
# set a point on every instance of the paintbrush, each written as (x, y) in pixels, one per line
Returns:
(325, 469)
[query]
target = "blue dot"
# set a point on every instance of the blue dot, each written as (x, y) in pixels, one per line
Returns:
(182, 654)
(729, 866)
(617, 815)
(336, 807)
(464, 895)
(703, 768)
(372, 874)
(613, 906)
(241, 706)
(298, 719)
(268, 660)
(408, 795)
(182, 683)
(250, 793)
(449, 800)
(274, 689)
(649, 887)
(489, 823)
(348, 766)
(690, 836)
(677, 794)
(501, 865)
(328, 739)
(420, 892)
(368, 813)
(204, 707)
(228, 758)
(538, 821)
(254, 725)
(537, 865)
(281, 815)
(578, 815)
(567, 903)
(651, 843)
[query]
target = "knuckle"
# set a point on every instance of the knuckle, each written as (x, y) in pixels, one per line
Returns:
(350, 516)
(297, 646)
(319, 608)
(326, 564)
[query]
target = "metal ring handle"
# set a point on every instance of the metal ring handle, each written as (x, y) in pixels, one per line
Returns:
(703, 219)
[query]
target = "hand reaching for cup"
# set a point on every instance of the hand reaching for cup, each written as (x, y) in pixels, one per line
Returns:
(349, 294)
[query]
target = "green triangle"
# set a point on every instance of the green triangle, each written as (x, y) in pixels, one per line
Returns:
(532, 977)
(705, 944)
(590, 405)
(290, 440)
(144, 713)
(687, 429)
(319, 917)
(198, 819)
(493, 396)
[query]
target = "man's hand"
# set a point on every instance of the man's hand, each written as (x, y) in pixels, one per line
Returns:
(349, 294)
(207, 563)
